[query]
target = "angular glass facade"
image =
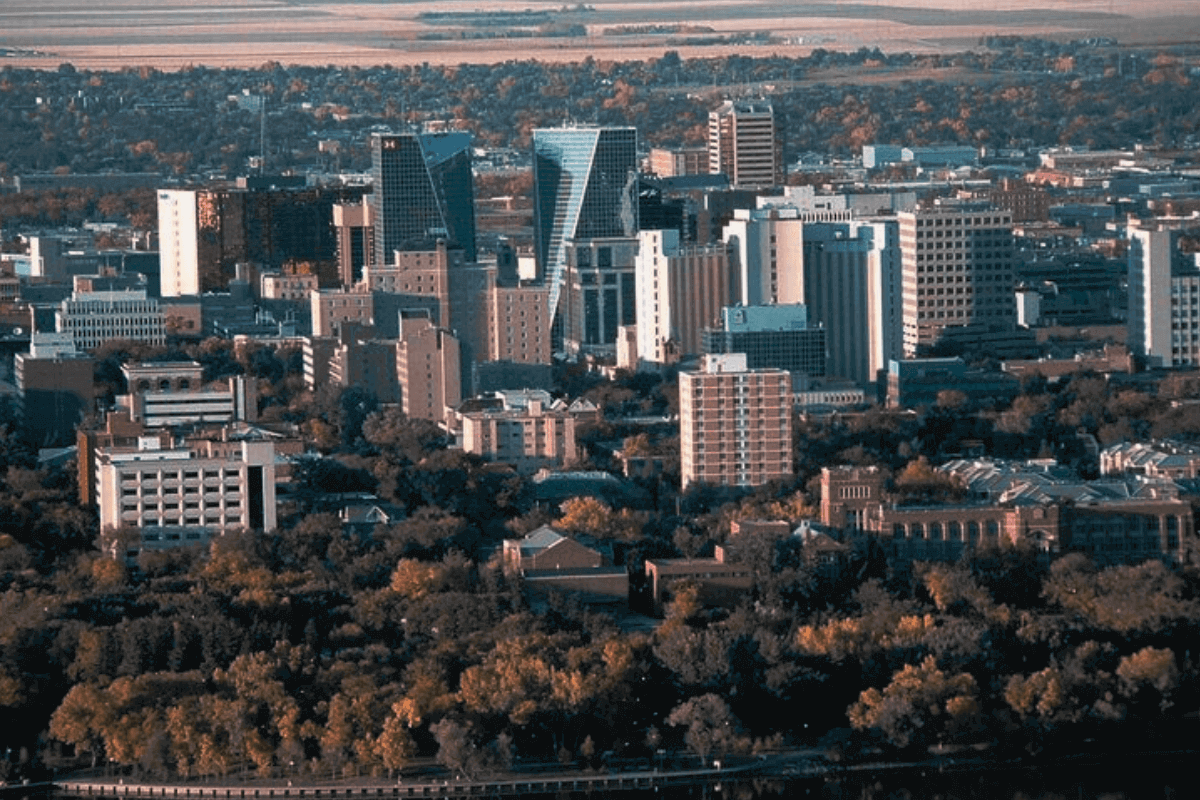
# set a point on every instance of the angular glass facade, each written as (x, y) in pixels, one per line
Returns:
(585, 187)
(423, 191)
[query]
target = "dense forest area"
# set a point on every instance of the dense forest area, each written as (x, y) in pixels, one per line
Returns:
(1009, 92)
(324, 652)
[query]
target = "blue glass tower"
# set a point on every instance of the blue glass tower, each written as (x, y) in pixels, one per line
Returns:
(584, 187)
(423, 191)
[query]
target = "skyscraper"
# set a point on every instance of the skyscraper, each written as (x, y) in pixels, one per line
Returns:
(423, 192)
(957, 270)
(584, 187)
(743, 143)
(1164, 291)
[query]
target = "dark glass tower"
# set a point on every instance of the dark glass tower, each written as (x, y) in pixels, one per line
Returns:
(423, 192)
(585, 187)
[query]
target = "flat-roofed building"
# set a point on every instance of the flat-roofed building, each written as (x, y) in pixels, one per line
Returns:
(735, 423)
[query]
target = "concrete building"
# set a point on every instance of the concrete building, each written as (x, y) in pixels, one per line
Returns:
(423, 190)
(768, 255)
(681, 290)
(1164, 293)
(92, 318)
(354, 226)
(295, 286)
(665, 162)
(533, 436)
(181, 495)
(55, 381)
(599, 294)
(334, 307)
(520, 332)
(584, 187)
(957, 263)
(743, 143)
(428, 369)
(852, 288)
(173, 393)
(735, 423)
(771, 337)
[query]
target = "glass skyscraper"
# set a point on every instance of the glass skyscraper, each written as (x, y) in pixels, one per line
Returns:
(423, 191)
(585, 187)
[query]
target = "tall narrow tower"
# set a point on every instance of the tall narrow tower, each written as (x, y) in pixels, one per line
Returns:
(584, 187)
(423, 192)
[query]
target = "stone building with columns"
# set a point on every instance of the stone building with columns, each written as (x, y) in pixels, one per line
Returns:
(1122, 520)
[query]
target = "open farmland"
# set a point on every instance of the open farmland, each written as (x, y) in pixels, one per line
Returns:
(170, 34)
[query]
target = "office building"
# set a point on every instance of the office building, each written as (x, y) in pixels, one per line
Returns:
(534, 435)
(173, 393)
(423, 191)
(957, 265)
(681, 290)
(599, 294)
(667, 162)
(179, 495)
(743, 143)
(355, 230)
(584, 188)
(768, 255)
(205, 233)
(735, 423)
(771, 337)
(333, 307)
(1164, 294)
(93, 318)
(55, 381)
(851, 287)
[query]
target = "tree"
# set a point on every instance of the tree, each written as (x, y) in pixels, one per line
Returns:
(711, 728)
(919, 706)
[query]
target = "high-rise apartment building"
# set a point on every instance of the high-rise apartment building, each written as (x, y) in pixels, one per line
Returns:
(584, 188)
(735, 423)
(355, 229)
(1164, 296)
(681, 290)
(743, 143)
(957, 264)
(521, 328)
(423, 191)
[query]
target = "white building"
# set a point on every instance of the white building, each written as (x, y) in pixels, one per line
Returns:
(1164, 297)
(187, 492)
(178, 242)
(93, 318)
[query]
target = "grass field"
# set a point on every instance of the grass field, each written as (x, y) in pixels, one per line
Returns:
(170, 34)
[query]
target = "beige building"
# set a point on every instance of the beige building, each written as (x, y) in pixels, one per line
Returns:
(533, 436)
(521, 329)
(428, 369)
(173, 393)
(735, 423)
(331, 307)
(673, 162)
(743, 143)
(681, 290)
(183, 494)
(93, 318)
(286, 286)
(957, 268)
(355, 228)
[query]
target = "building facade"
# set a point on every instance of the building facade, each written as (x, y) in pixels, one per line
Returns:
(771, 337)
(735, 423)
(93, 318)
(423, 191)
(743, 143)
(957, 263)
(681, 290)
(532, 437)
(584, 187)
(429, 369)
(56, 385)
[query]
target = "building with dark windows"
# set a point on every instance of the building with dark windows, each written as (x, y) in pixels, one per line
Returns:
(772, 337)
(585, 187)
(743, 143)
(423, 191)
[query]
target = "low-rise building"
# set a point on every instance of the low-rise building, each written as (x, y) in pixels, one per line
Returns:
(530, 436)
